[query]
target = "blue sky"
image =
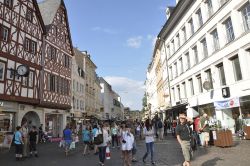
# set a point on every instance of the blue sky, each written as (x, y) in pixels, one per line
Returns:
(119, 36)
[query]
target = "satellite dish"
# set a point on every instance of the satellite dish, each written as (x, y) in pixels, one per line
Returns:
(207, 85)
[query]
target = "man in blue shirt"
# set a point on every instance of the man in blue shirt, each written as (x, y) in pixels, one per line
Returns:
(67, 136)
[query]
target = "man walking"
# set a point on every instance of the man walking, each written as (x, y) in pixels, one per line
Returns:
(184, 136)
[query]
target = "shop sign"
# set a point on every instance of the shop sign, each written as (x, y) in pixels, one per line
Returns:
(231, 103)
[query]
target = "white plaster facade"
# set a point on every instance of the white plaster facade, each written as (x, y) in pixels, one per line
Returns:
(112, 106)
(221, 36)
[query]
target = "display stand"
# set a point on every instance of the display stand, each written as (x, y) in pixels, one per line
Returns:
(223, 138)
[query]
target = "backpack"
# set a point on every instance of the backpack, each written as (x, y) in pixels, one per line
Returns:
(160, 124)
(98, 139)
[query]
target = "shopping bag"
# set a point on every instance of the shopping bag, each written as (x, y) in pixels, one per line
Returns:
(107, 153)
(72, 145)
(62, 144)
(76, 139)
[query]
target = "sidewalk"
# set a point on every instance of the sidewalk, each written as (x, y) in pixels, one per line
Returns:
(167, 153)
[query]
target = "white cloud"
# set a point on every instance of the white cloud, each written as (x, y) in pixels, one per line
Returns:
(131, 91)
(134, 42)
(104, 30)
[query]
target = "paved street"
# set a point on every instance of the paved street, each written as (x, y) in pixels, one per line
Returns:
(168, 153)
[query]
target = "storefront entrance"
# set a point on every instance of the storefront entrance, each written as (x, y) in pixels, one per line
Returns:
(32, 118)
(54, 124)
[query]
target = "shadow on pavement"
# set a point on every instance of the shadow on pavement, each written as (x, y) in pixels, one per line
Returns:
(211, 162)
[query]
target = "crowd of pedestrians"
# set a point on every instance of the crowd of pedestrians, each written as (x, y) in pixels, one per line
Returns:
(98, 138)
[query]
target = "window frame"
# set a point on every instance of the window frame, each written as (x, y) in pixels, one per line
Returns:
(246, 8)
(221, 76)
(4, 71)
(216, 41)
(29, 14)
(8, 3)
(195, 52)
(188, 60)
(228, 25)
(209, 77)
(2, 34)
(191, 84)
(199, 17)
(209, 5)
(199, 80)
(191, 25)
(235, 70)
(204, 48)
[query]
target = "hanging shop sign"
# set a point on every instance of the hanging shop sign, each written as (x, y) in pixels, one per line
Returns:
(231, 103)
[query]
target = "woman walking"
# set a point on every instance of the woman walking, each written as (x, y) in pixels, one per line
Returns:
(102, 147)
(86, 140)
(18, 143)
(128, 141)
(149, 139)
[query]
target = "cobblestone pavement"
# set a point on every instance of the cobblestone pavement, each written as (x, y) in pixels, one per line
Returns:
(167, 153)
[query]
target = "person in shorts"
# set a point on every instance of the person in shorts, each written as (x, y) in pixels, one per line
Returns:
(18, 143)
(86, 140)
(67, 136)
(184, 137)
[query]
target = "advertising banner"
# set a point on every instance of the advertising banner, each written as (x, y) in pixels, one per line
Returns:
(230, 103)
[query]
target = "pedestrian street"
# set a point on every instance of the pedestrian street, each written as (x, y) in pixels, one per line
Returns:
(167, 153)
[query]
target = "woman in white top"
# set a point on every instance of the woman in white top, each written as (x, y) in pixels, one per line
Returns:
(102, 147)
(127, 146)
(149, 139)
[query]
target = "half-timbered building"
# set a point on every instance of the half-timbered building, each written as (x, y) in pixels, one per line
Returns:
(21, 33)
(56, 75)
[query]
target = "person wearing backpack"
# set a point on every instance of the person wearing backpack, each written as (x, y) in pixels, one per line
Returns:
(161, 129)
(106, 141)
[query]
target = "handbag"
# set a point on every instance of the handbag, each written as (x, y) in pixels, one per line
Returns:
(98, 139)
(72, 145)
